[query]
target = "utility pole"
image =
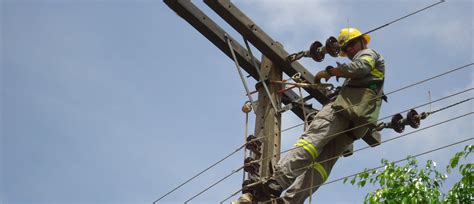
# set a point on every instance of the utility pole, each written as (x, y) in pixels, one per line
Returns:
(268, 120)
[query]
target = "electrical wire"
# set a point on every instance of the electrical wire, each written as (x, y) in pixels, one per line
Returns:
(345, 131)
(410, 14)
(406, 87)
(397, 90)
(274, 105)
(234, 171)
(301, 54)
(391, 139)
(400, 89)
(378, 167)
(431, 78)
(397, 137)
(443, 98)
(242, 146)
(367, 147)
(198, 174)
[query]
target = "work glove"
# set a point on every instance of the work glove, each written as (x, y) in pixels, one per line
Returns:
(320, 75)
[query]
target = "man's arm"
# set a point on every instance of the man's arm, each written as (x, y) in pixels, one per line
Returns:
(359, 67)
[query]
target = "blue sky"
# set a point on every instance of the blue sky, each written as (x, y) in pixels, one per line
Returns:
(119, 101)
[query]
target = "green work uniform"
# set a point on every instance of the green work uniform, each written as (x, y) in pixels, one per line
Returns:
(303, 169)
(360, 96)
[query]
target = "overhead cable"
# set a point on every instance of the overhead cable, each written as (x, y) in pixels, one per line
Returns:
(198, 174)
(397, 137)
(394, 138)
(395, 162)
(399, 89)
(274, 104)
(413, 13)
(234, 171)
(345, 131)
(242, 146)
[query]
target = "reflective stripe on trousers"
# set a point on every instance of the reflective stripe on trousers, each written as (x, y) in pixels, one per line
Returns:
(319, 168)
(308, 147)
(311, 149)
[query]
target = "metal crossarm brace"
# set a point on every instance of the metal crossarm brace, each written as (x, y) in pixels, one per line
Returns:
(245, 26)
(214, 33)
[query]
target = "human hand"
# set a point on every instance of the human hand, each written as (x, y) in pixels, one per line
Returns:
(320, 75)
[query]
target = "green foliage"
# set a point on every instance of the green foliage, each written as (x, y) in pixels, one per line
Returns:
(463, 190)
(411, 184)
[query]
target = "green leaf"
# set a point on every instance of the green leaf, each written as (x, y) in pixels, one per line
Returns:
(455, 160)
(413, 184)
(353, 180)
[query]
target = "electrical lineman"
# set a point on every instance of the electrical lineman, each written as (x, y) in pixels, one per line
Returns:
(357, 103)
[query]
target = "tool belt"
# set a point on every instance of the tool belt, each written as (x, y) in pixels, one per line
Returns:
(361, 105)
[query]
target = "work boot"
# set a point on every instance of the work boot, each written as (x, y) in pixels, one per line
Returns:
(268, 190)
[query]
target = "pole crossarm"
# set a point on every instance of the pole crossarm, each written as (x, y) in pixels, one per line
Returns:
(214, 33)
(246, 27)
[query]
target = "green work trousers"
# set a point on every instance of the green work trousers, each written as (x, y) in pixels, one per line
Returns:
(304, 168)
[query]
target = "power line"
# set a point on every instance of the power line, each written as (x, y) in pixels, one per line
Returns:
(441, 109)
(367, 147)
(198, 174)
(406, 16)
(394, 138)
(408, 86)
(395, 162)
(233, 172)
(469, 89)
(235, 151)
(201, 172)
(397, 90)
(345, 131)
(336, 134)
(431, 78)
(301, 54)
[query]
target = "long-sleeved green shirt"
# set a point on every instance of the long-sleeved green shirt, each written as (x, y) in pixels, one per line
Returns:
(367, 66)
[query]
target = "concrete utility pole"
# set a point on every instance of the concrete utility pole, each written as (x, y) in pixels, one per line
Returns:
(268, 121)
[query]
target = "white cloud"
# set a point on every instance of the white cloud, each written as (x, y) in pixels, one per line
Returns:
(450, 27)
(299, 22)
(453, 34)
(296, 15)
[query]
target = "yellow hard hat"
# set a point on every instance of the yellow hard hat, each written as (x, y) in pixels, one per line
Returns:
(347, 34)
